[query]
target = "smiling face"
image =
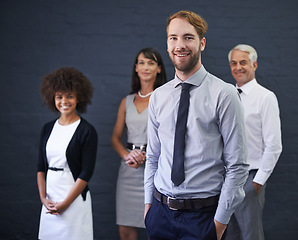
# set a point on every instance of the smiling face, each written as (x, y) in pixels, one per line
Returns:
(241, 67)
(184, 47)
(147, 68)
(66, 103)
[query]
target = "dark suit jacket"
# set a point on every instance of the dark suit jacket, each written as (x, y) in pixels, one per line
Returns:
(80, 153)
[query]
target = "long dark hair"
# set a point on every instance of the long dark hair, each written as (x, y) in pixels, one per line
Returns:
(161, 77)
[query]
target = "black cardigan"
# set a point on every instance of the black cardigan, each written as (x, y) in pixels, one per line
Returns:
(80, 153)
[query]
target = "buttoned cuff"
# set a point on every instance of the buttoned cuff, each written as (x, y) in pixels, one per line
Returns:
(149, 196)
(261, 177)
(223, 216)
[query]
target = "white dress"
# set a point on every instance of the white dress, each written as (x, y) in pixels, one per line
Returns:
(76, 222)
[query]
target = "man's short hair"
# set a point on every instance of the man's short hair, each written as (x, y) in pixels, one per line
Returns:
(252, 53)
(194, 19)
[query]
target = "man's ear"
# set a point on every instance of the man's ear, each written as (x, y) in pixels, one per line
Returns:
(203, 44)
(255, 66)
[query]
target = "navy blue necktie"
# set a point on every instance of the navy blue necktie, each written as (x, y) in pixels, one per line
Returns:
(239, 90)
(177, 175)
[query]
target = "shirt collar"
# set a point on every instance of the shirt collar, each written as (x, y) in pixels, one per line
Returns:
(247, 87)
(196, 79)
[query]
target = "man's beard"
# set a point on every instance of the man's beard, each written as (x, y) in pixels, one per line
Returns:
(190, 65)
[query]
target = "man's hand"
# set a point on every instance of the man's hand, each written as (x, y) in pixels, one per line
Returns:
(147, 207)
(220, 229)
(257, 187)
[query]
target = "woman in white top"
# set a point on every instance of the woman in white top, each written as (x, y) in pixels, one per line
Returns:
(148, 74)
(67, 156)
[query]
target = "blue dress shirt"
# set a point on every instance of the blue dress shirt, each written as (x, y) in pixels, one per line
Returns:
(215, 153)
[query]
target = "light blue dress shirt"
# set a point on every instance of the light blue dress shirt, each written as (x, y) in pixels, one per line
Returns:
(215, 154)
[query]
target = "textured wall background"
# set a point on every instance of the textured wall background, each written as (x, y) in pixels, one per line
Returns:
(101, 38)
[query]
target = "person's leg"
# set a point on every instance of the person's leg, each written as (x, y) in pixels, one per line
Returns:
(251, 223)
(128, 233)
(197, 224)
(158, 222)
(233, 230)
(249, 214)
(165, 224)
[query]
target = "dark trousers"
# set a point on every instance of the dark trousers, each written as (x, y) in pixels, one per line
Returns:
(163, 223)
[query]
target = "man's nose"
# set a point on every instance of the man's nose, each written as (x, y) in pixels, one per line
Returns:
(238, 66)
(180, 44)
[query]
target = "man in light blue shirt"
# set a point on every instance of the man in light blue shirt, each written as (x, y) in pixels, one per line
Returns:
(215, 153)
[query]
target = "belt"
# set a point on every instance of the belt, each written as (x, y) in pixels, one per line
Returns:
(186, 204)
(55, 169)
(132, 147)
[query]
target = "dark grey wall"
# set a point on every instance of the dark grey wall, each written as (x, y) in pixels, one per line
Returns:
(101, 38)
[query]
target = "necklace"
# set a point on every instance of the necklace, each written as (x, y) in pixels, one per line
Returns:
(144, 96)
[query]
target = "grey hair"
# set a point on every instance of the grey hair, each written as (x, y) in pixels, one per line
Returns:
(252, 53)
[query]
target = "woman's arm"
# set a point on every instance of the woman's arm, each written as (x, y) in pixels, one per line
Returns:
(119, 127)
(76, 190)
(135, 158)
(41, 182)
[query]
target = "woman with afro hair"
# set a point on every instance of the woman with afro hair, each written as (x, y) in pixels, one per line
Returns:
(67, 156)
